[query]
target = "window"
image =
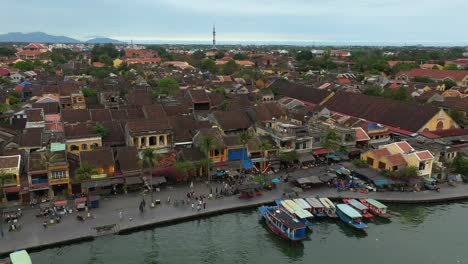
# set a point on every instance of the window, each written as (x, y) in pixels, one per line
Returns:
(317, 139)
(84, 146)
(59, 174)
(94, 145)
(381, 165)
(422, 166)
(74, 148)
(394, 168)
(370, 161)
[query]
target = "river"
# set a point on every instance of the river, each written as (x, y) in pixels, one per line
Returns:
(417, 234)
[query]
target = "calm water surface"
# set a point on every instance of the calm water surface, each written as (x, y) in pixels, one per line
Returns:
(417, 234)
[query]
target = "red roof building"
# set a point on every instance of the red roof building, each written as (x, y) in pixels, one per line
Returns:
(4, 72)
(461, 77)
(143, 60)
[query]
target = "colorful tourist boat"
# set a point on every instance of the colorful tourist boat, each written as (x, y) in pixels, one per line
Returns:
(317, 207)
(363, 210)
(303, 204)
(282, 223)
(330, 208)
(295, 210)
(350, 216)
(376, 207)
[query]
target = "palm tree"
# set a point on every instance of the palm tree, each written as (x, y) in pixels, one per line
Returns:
(244, 139)
(149, 159)
(208, 143)
(264, 147)
(4, 177)
(330, 142)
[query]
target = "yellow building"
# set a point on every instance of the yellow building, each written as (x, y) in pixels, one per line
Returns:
(10, 168)
(150, 134)
(58, 171)
(81, 137)
(395, 156)
(117, 62)
(440, 121)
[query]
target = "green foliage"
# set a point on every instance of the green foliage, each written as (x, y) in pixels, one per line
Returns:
(85, 171)
(149, 158)
(451, 67)
(220, 54)
(208, 65)
(167, 86)
(206, 144)
(374, 90)
(229, 68)
(289, 156)
(224, 106)
(198, 55)
(449, 83)
(400, 94)
(24, 65)
(7, 52)
(184, 167)
(59, 56)
(331, 141)
(304, 55)
(3, 108)
(423, 79)
(403, 67)
(99, 72)
(89, 92)
(105, 52)
(407, 172)
(6, 81)
(104, 58)
(460, 165)
(457, 115)
(360, 163)
(101, 130)
(14, 100)
(162, 52)
(240, 56)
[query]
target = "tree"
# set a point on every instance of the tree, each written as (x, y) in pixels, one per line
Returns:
(208, 143)
(208, 65)
(89, 92)
(449, 83)
(198, 55)
(85, 171)
(5, 177)
(451, 67)
(400, 94)
(460, 165)
(219, 55)
(240, 56)
(7, 52)
(149, 159)
(289, 157)
(374, 90)
(229, 68)
(24, 65)
(360, 163)
(304, 55)
(168, 85)
(331, 141)
(101, 130)
(407, 172)
(423, 79)
(106, 49)
(186, 168)
(244, 139)
(458, 116)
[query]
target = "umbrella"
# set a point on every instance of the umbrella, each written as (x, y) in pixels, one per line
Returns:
(275, 180)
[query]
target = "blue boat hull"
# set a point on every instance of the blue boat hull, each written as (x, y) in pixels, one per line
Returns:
(349, 221)
(275, 229)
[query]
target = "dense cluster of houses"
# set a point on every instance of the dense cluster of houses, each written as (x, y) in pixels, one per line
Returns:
(59, 127)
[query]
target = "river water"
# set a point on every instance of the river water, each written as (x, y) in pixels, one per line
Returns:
(417, 234)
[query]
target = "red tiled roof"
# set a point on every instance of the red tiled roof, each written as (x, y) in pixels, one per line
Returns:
(143, 60)
(361, 135)
(404, 146)
(344, 81)
(396, 159)
(35, 46)
(29, 52)
(435, 74)
(98, 64)
(393, 86)
(451, 132)
(244, 63)
(320, 151)
(381, 152)
(424, 155)
(393, 63)
(4, 72)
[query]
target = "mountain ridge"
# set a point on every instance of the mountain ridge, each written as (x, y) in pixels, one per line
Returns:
(46, 38)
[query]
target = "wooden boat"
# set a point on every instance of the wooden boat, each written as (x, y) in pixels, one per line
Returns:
(376, 207)
(20, 257)
(317, 207)
(362, 209)
(296, 211)
(350, 216)
(303, 204)
(282, 223)
(330, 208)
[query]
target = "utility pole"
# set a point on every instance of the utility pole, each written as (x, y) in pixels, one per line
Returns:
(214, 37)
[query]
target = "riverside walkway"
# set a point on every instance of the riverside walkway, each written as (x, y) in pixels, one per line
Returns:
(34, 236)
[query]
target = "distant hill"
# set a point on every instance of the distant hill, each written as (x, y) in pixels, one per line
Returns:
(35, 37)
(104, 41)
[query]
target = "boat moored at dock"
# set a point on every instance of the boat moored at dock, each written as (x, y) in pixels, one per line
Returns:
(282, 223)
(376, 207)
(350, 216)
(317, 207)
(363, 210)
(295, 210)
(330, 208)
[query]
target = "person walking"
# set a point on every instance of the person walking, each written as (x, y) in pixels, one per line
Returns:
(120, 215)
(44, 224)
(143, 202)
(198, 207)
(193, 206)
(204, 205)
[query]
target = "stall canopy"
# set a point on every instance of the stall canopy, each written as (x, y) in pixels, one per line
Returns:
(247, 164)
(102, 183)
(237, 154)
(158, 180)
(61, 203)
(306, 158)
(326, 177)
(133, 180)
(12, 189)
(309, 180)
(320, 151)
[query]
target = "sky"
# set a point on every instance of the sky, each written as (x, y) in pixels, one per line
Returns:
(314, 21)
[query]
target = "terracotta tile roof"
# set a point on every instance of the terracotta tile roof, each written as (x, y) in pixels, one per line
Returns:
(99, 157)
(4, 72)
(344, 81)
(31, 140)
(143, 60)
(361, 135)
(29, 52)
(299, 92)
(73, 116)
(154, 111)
(184, 127)
(127, 159)
(198, 96)
(454, 132)
(381, 152)
(35, 115)
(424, 155)
(396, 159)
(100, 115)
(48, 108)
(232, 120)
(404, 146)
(435, 74)
(35, 46)
(148, 125)
(80, 130)
(116, 134)
(98, 64)
(403, 115)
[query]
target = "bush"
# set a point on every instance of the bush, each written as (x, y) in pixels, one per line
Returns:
(360, 163)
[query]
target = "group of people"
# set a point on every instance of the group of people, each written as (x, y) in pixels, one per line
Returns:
(12, 219)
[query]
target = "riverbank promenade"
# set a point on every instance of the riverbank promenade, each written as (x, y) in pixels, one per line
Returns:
(33, 235)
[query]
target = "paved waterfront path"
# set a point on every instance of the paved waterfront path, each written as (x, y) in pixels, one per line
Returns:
(34, 235)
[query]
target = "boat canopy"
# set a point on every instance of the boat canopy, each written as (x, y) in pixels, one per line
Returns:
(327, 203)
(294, 208)
(376, 203)
(356, 204)
(314, 202)
(349, 211)
(20, 257)
(302, 203)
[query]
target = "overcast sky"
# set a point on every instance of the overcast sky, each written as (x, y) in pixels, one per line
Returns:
(386, 21)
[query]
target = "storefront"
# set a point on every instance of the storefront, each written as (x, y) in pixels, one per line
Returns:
(12, 193)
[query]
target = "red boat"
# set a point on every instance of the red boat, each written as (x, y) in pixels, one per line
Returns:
(362, 209)
(376, 207)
